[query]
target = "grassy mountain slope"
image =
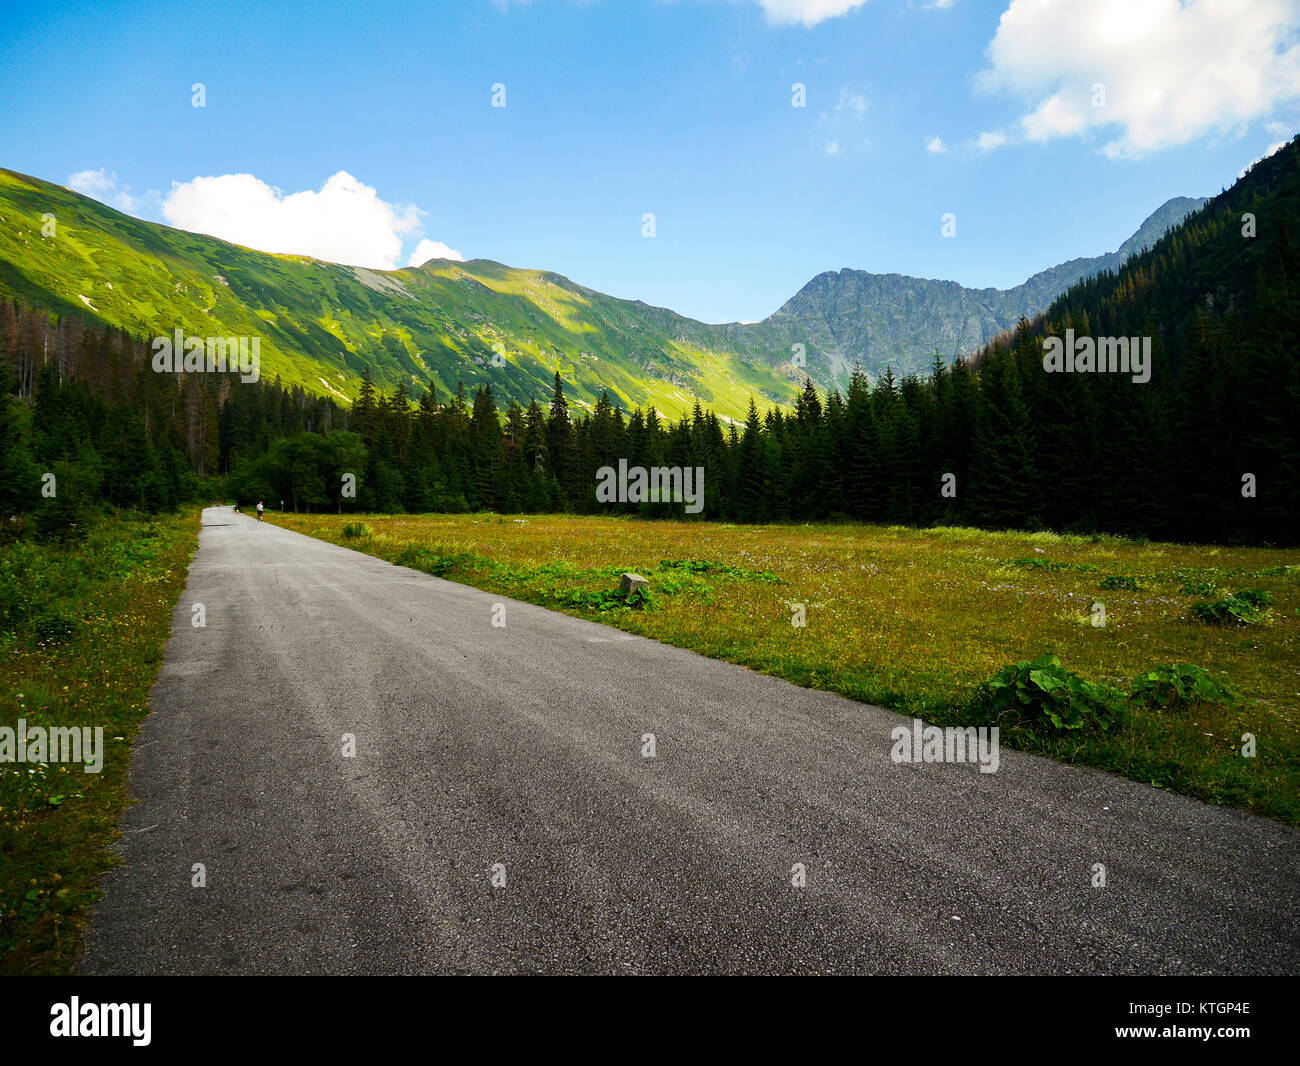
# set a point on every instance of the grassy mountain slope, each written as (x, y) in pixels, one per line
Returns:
(322, 324)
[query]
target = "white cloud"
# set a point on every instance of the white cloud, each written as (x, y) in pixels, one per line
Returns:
(102, 185)
(1170, 71)
(851, 101)
(92, 182)
(1268, 152)
(841, 125)
(344, 222)
(989, 141)
(427, 249)
(935, 145)
(806, 12)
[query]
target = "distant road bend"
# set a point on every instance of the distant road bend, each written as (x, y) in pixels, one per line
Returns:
(516, 752)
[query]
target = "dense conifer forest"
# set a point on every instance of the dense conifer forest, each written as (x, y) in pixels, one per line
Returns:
(1206, 450)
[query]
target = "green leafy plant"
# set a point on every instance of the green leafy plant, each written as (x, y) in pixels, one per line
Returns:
(1051, 565)
(355, 530)
(1119, 581)
(1176, 686)
(1198, 588)
(1257, 598)
(639, 598)
(706, 566)
(1041, 693)
(1246, 607)
(431, 561)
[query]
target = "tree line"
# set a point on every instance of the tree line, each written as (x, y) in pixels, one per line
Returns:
(86, 423)
(1206, 450)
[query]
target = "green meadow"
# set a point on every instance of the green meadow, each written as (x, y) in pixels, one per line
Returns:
(321, 325)
(916, 621)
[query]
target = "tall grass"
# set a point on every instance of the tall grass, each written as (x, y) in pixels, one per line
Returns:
(82, 628)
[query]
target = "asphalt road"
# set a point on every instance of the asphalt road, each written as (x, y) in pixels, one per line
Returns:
(522, 746)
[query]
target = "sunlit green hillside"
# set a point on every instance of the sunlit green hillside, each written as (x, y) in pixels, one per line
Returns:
(322, 324)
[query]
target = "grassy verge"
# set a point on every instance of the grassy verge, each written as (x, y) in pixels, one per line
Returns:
(82, 629)
(915, 620)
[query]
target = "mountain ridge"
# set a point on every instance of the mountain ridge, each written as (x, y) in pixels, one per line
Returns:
(447, 322)
(856, 334)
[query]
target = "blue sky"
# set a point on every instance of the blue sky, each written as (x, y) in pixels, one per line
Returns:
(616, 108)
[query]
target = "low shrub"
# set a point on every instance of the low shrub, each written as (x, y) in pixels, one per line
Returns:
(1042, 694)
(1177, 686)
(637, 599)
(1246, 607)
(706, 566)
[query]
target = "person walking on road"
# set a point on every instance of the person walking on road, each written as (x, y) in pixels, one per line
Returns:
(259, 510)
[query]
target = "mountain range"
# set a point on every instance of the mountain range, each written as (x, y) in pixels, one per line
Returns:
(323, 325)
(879, 320)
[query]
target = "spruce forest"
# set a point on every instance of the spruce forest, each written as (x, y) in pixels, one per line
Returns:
(990, 441)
